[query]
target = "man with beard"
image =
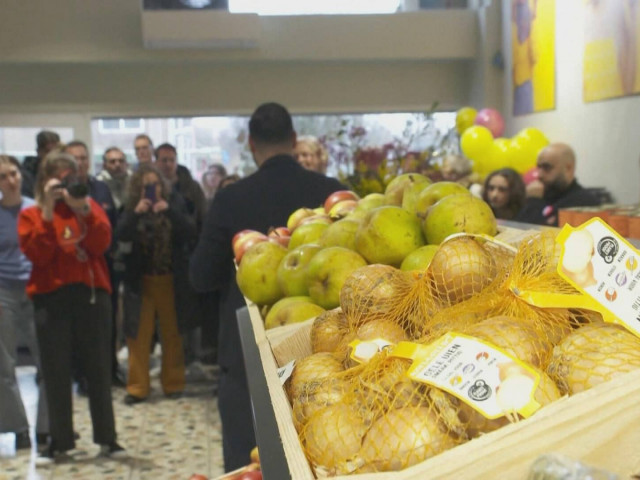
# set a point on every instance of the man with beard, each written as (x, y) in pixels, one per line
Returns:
(115, 173)
(556, 187)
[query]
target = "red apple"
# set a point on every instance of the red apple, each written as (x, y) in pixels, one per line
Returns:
(316, 219)
(342, 208)
(197, 476)
(242, 234)
(339, 196)
(284, 241)
(279, 232)
(253, 475)
(244, 243)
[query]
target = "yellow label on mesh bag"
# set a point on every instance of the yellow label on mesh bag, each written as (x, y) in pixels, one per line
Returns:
(363, 351)
(480, 374)
(604, 266)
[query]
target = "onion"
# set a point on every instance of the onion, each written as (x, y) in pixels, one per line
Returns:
(384, 384)
(327, 330)
(593, 354)
(404, 437)
(332, 436)
(461, 268)
(312, 369)
(317, 396)
(373, 291)
(464, 420)
(385, 329)
(516, 336)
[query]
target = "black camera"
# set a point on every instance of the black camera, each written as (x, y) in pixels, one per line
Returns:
(75, 187)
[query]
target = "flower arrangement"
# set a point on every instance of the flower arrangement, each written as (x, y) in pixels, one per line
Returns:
(368, 168)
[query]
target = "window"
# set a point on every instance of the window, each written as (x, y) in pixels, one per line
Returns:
(121, 124)
(201, 141)
(20, 142)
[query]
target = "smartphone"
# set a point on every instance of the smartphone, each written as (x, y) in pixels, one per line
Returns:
(150, 193)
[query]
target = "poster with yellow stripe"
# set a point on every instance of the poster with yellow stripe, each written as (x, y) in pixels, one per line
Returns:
(611, 53)
(533, 45)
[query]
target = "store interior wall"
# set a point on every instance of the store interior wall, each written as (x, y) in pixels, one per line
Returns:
(603, 134)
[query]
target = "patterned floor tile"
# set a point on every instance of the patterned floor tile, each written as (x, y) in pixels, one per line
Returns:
(165, 439)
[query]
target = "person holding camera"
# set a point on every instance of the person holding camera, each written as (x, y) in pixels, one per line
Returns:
(154, 235)
(65, 236)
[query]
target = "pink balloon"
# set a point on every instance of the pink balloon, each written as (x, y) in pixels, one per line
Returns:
(490, 118)
(531, 175)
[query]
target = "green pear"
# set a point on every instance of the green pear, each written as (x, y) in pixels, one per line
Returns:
(388, 234)
(307, 233)
(341, 234)
(434, 193)
(256, 275)
(292, 271)
(411, 195)
(327, 272)
(419, 259)
(458, 213)
(395, 189)
(291, 310)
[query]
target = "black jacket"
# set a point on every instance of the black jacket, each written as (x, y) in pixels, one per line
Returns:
(262, 200)
(183, 231)
(544, 211)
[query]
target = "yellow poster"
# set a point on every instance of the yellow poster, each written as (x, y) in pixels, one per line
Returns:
(533, 45)
(611, 55)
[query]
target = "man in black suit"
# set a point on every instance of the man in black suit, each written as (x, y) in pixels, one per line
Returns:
(262, 200)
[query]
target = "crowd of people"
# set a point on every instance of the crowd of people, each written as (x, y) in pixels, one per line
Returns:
(151, 238)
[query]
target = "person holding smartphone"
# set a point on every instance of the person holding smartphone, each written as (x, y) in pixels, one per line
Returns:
(65, 235)
(154, 234)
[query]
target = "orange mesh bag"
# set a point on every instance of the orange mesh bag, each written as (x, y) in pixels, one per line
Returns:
(327, 330)
(593, 354)
(395, 422)
(469, 423)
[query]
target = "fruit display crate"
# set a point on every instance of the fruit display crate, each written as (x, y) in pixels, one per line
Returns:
(600, 427)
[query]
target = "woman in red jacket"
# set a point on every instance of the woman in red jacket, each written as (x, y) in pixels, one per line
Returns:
(65, 236)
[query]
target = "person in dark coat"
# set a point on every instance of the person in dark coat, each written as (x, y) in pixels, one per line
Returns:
(154, 234)
(101, 193)
(262, 200)
(556, 187)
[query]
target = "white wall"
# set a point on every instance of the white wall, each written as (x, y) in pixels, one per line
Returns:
(88, 56)
(604, 134)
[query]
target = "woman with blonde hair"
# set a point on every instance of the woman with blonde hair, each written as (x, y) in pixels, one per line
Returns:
(154, 237)
(65, 235)
(311, 154)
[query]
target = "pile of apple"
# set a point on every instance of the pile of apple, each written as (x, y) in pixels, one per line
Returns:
(299, 269)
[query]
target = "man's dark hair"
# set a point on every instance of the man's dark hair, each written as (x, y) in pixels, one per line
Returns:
(75, 143)
(165, 146)
(271, 124)
(45, 137)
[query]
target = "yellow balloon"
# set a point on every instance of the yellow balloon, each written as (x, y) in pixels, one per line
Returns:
(534, 137)
(496, 157)
(465, 117)
(526, 145)
(475, 141)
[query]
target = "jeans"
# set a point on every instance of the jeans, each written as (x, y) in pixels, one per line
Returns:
(16, 319)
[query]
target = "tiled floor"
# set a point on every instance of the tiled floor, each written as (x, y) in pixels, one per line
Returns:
(165, 439)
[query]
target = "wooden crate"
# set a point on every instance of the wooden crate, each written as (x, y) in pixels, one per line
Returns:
(599, 427)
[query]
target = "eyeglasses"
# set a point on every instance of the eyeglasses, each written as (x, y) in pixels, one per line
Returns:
(545, 167)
